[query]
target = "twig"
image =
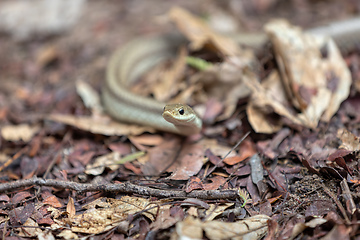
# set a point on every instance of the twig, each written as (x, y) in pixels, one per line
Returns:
(334, 198)
(13, 158)
(126, 187)
(349, 201)
(222, 159)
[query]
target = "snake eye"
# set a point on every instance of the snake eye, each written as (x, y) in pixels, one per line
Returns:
(181, 111)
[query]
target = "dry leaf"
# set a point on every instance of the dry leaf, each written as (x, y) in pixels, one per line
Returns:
(104, 214)
(218, 79)
(226, 77)
(316, 88)
(247, 149)
(266, 98)
(214, 183)
(200, 34)
(213, 109)
(144, 140)
(67, 234)
(188, 163)
(70, 207)
(216, 210)
(348, 140)
(33, 229)
(168, 84)
(251, 228)
(108, 160)
(166, 218)
(216, 148)
(300, 227)
(22, 132)
(101, 125)
(161, 156)
(52, 201)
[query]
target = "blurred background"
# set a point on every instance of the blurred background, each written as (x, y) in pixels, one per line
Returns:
(46, 45)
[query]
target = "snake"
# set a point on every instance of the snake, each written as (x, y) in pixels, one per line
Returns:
(125, 66)
(130, 62)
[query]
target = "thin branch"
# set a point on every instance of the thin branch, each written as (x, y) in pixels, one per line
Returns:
(126, 187)
(349, 201)
(222, 159)
(334, 198)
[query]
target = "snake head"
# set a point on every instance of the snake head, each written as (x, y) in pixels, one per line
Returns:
(181, 115)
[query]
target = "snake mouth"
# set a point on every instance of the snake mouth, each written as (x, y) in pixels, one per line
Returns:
(184, 120)
(180, 114)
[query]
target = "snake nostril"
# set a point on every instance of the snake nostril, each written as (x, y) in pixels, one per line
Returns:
(181, 111)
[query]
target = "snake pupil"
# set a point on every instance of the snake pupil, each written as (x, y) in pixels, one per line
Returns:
(181, 111)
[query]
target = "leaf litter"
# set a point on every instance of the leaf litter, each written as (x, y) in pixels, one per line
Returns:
(298, 182)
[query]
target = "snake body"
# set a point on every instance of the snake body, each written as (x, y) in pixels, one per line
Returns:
(127, 65)
(131, 61)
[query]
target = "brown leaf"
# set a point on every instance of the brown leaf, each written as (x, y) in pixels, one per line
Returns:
(189, 162)
(341, 162)
(340, 231)
(194, 183)
(22, 214)
(341, 153)
(161, 156)
(4, 198)
(195, 202)
(214, 159)
(216, 182)
(33, 229)
(308, 81)
(167, 218)
(21, 196)
(267, 98)
(213, 109)
(22, 132)
(319, 208)
(70, 207)
(108, 160)
(265, 208)
(239, 170)
(348, 140)
(104, 214)
(100, 125)
(200, 33)
(254, 227)
(313, 86)
(35, 145)
(52, 201)
(28, 167)
(83, 157)
(132, 168)
(169, 82)
(247, 149)
(120, 147)
(45, 221)
(147, 140)
(253, 191)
